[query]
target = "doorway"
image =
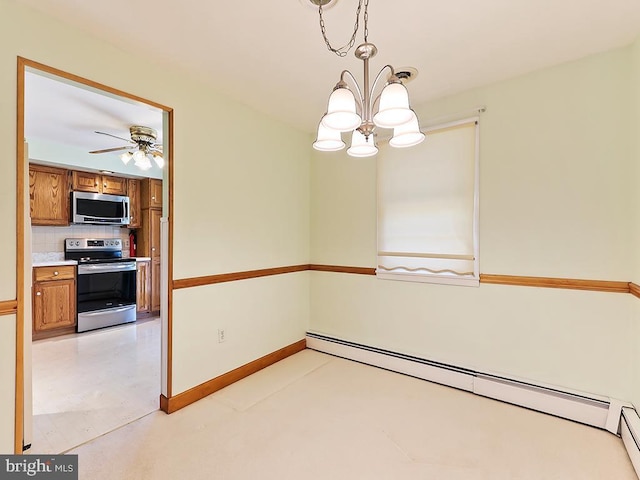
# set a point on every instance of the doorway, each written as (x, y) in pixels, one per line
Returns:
(87, 107)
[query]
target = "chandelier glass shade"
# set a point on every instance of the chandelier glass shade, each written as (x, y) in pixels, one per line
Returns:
(363, 111)
(362, 146)
(407, 135)
(328, 140)
(341, 112)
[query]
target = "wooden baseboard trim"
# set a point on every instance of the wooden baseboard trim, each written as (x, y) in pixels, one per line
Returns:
(634, 289)
(232, 277)
(546, 282)
(8, 307)
(172, 404)
(342, 269)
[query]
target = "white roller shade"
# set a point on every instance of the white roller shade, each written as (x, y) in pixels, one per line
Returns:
(427, 207)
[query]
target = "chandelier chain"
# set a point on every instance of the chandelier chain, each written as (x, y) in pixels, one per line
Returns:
(342, 51)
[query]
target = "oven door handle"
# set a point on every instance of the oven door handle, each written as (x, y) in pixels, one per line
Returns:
(106, 268)
(108, 310)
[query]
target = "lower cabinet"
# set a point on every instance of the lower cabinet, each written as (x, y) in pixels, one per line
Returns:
(54, 301)
(155, 285)
(143, 294)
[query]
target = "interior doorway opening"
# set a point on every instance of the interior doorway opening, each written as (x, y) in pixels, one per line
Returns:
(72, 387)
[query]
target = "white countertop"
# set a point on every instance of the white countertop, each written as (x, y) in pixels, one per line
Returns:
(53, 259)
(54, 263)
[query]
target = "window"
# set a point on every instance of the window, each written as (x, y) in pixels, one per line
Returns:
(428, 207)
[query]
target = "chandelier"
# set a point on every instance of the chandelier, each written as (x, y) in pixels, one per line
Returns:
(363, 112)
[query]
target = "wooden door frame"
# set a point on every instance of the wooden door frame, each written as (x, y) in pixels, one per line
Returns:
(21, 264)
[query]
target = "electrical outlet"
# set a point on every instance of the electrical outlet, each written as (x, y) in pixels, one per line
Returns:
(222, 336)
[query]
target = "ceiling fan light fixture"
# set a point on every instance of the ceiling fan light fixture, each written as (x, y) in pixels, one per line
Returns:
(159, 159)
(141, 160)
(126, 157)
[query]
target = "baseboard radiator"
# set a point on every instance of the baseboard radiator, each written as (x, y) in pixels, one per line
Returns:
(630, 432)
(619, 418)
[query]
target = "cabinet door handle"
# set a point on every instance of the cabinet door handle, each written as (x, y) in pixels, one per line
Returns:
(96, 184)
(55, 274)
(105, 185)
(38, 293)
(153, 198)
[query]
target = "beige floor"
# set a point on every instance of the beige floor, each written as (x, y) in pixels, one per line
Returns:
(87, 384)
(314, 416)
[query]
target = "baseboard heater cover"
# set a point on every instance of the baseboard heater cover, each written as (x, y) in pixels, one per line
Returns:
(630, 433)
(600, 412)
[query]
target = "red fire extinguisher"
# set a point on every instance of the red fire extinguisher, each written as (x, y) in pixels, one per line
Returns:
(132, 243)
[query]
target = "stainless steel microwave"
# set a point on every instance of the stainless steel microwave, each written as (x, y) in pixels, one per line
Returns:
(99, 208)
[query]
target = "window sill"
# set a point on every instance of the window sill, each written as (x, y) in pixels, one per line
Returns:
(437, 279)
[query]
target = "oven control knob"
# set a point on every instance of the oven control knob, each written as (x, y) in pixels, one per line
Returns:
(77, 243)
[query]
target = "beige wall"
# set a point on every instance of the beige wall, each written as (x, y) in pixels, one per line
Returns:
(555, 200)
(241, 201)
(7, 380)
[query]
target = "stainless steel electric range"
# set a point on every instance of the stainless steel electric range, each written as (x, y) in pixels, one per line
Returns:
(106, 282)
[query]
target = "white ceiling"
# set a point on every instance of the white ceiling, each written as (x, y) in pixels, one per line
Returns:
(271, 55)
(69, 113)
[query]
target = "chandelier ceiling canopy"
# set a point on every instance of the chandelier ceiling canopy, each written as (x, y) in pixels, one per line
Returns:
(362, 112)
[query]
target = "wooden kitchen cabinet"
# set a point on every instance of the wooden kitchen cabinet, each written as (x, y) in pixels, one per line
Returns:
(143, 293)
(149, 235)
(151, 193)
(155, 284)
(48, 195)
(54, 301)
(133, 191)
(98, 183)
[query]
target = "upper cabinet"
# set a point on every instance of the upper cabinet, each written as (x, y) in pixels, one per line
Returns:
(97, 183)
(49, 192)
(133, 189)
(151, 193)
(48, 195)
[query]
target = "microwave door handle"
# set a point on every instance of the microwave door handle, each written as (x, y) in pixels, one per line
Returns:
(125, 209)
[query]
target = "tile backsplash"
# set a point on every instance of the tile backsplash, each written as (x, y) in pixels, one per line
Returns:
(51, 239)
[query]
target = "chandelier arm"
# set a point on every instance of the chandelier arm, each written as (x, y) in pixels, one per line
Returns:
(360, 98)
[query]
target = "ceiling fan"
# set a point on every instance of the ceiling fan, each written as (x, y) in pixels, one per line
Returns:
(142, 147)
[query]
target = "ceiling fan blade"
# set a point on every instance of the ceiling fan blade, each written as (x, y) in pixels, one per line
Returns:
(106, 150)
(115, 136)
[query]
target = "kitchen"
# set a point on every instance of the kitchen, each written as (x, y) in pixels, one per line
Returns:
(96, 260)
